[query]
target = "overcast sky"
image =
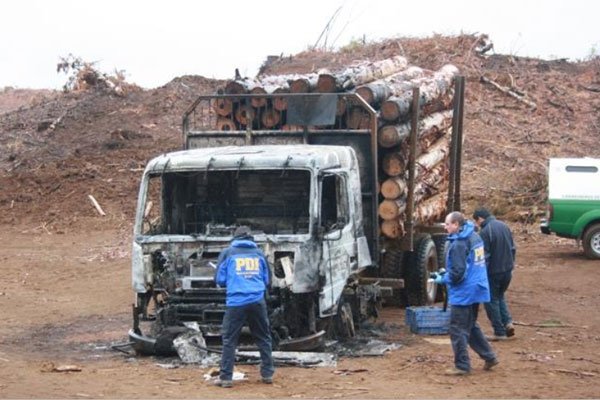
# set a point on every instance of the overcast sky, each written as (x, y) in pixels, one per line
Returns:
(155, 41)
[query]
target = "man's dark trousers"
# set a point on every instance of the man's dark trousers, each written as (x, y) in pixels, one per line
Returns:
(496, 309)
(258, 321)
(464, 332)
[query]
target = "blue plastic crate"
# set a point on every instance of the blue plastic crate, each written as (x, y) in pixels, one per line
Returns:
(428, 320)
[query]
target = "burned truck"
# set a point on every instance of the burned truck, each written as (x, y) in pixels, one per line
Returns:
(310, 195)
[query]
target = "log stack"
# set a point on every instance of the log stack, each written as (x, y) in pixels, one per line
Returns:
(387, 86)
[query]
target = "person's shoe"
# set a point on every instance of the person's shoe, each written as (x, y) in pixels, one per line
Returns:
(223, 383)
(497, 338)
(489, 364)
(268, 381)
(456, 372)
(510, 330)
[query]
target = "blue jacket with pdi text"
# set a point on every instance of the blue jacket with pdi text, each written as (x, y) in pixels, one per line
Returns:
(243, 270)
(466, 276)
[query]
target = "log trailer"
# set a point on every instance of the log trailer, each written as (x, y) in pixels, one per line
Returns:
(310, 193)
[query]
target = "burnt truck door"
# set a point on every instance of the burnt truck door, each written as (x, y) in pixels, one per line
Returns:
(336, 232)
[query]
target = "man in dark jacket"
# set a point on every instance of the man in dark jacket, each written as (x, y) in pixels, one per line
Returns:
(500, 253)
(467, 284)
(244, 271)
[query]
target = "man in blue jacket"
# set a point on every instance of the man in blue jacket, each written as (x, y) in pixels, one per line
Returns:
(500, 253)
(244, 271)
(467, 284)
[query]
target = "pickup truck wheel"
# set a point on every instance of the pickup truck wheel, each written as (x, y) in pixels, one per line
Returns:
(393, 267)
(420, 289)
(591, 242)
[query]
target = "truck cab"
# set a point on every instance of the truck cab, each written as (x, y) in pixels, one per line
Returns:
(309, 191)
(574, 202)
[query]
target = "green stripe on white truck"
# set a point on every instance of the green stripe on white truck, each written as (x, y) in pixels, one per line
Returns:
(570, 217)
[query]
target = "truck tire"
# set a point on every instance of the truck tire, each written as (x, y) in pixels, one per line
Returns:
(344, 322)
(393, 267)
(591, 242)
(441, 248)
(420, 289)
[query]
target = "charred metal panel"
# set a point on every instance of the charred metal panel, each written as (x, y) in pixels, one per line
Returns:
(306, 267)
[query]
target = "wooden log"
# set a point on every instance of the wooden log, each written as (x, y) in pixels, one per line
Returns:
(391, 209)
(342, 106)
(432, 182)
(430, 137)
(428, 185)
(432, 157)
(304, 84)
(376, 92)
(431, 88)
(432, 209)
(394, 162)
(393, 228)
(245, 115)
(225, 124)
(510, 91)
(358, 118)
(326, 83)
(270, 118)
(275, 84)
(411, 73)
(393, 108)
(292, 128)
(392, 188)
(240, 86)
(359, 74)
(280, 103)
(223, 107)
(258, 102)
(394, 135)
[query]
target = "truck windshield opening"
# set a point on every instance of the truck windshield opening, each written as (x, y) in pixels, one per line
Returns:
(271, 201)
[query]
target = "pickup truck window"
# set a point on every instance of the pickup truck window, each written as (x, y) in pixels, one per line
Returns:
(581, 168)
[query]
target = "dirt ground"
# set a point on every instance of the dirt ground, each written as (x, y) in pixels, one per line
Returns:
(66, 298)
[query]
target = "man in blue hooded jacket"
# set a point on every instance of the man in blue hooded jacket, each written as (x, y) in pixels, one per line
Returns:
(466, 279)
(244, 271)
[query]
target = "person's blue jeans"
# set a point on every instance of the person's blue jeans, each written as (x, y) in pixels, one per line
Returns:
(464, 332)
(258, 321)
(497, 310)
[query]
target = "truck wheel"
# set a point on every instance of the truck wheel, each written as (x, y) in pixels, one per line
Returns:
(591, 242)
(420, 289)
(393, 267)
(344, 322)
(441, 248)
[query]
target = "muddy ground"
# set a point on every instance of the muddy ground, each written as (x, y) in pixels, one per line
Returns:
(66, 298)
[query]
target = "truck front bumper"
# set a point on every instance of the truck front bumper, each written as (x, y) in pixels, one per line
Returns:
(545, 227)
(142, 344)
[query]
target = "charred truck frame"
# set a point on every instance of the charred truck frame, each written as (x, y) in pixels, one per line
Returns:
(310, 197)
